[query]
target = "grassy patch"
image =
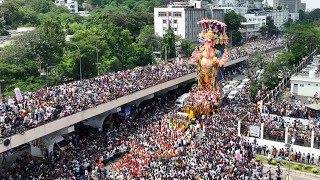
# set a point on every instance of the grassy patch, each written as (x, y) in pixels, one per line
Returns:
(295, 166)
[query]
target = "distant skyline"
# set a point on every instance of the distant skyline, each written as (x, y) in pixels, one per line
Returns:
(311, 4)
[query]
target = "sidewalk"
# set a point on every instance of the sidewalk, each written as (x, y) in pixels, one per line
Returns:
(285, 168)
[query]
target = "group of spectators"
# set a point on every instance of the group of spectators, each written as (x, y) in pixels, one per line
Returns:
(148, 147)
(63, 100)
(66, 99)
(255, 46)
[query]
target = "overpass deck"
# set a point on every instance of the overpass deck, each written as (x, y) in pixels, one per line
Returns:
(53, 126)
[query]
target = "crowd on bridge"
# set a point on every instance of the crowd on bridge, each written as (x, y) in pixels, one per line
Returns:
(255, 46)
(63, 100)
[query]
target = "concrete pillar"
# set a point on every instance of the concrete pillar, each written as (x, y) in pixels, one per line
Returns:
(35, 151)
(312, 138)
(262, 130)
(286, 134)
(239, 128)
(97, 121)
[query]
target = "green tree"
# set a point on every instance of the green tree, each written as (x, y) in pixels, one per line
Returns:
(185, 47)
(264, 29)
(233, 22)
(169, 44)
(272, 29)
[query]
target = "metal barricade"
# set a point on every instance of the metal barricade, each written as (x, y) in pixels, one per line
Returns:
(274, 133)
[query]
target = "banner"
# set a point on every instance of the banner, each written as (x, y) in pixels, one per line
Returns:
(254, 131)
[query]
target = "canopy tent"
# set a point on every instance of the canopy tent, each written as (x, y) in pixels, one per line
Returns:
(314, 106)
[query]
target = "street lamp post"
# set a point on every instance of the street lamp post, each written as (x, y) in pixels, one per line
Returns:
(290, 148)
(80, 68)
(159, 45)
(48, 67)
(1, 80)
(97, 63)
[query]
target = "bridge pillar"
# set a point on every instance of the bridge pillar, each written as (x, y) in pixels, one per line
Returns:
(47, 142)
(35, 151)
(97, 121)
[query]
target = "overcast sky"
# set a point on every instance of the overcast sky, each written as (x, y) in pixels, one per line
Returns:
(311, 4)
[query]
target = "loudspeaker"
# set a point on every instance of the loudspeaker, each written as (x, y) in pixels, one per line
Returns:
(6, 142)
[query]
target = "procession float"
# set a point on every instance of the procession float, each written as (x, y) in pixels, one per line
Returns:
(209, 56)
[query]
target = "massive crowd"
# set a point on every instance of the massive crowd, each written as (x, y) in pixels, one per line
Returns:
(254, 47)
(152, 149)
(63, 100)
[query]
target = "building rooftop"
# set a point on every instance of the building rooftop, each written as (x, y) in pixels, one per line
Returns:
(305, 78)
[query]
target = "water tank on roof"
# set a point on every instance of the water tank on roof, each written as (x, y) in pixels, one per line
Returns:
(312, 74)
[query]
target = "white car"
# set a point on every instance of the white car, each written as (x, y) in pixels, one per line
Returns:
(245, 81)
(233, 83)
(232, 94)
(227, 88)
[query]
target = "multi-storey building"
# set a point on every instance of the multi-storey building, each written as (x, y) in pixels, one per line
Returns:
(182, 17)
(69, 4)
(292, 5)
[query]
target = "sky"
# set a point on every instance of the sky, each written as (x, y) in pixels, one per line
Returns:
(311, 4)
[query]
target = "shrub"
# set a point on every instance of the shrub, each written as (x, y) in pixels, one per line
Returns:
(306, 167)
(296, 167)
(314, 170)
(259, 159)
(273, 162)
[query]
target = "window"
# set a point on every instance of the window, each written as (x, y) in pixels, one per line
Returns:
(317, 85)
(177, 14)
(164, 28)
(301, 85)
(162, 14)
(175, 21)
(175, 29)
(308, 84)
(164, 21)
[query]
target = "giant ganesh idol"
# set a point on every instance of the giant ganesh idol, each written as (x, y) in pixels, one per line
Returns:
(210, 56)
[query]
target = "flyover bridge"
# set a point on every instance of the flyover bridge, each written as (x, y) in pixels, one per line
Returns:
(98, 113)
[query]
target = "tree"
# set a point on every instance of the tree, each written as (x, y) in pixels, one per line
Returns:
(169, 44)
(302, 40)
(272, 29)
(185, 47)
(264, 29)
(233, 22)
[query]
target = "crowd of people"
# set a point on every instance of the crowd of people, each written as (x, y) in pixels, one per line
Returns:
(63, 100)
(151, 148)
(255, 46)
(55, 102)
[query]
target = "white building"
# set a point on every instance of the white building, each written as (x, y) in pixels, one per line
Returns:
(307, 82)
(71, 5)
(1, 15)
(182, 17)
(302, 85)
(292, 5)
(253, 18)
(294, 16)
(249, 30)
(279, 17)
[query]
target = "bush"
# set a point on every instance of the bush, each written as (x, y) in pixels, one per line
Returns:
(314, 170)
(259, 159)
(273, 162)
(306, 167)
(296, 167)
